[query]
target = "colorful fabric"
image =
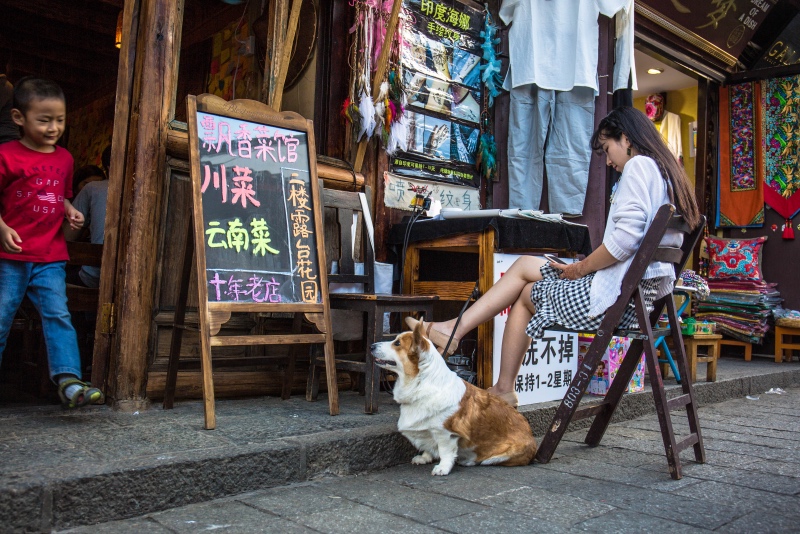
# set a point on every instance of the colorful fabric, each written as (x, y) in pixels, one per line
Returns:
(742, 138)
(734, 259)
(781, 144)
(740, 186)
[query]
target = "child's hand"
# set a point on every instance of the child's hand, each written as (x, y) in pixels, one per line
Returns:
(75, 218)
(9, 239)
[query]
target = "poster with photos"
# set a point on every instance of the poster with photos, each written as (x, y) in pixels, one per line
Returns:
(440, 59)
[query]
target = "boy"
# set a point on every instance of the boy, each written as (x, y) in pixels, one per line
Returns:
(35, 180)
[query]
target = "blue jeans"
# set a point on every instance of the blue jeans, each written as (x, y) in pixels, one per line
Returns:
(549, 129)
(45, 285)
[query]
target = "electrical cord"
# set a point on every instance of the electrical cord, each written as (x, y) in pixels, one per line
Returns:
(474, 295)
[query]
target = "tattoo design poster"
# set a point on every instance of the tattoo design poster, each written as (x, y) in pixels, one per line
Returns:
(440, 58)
(399, 192)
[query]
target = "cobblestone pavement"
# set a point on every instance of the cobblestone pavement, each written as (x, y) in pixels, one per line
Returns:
(750, 483)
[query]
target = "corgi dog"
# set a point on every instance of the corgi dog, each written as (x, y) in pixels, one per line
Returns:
(446, 418)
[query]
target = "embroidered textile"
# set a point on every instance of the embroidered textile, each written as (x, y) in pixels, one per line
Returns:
(781, 144)
(743, 155)
(740, 191)
(735, 259)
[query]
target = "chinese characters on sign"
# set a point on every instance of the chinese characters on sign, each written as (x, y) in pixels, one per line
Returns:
(399, 191)
(257, 212)
(549, 364)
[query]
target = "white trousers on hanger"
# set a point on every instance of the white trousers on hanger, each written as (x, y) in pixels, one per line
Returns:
(552, 129)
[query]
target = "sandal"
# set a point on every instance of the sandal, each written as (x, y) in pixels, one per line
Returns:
(85, 395)
(510, 397)
(439, 339)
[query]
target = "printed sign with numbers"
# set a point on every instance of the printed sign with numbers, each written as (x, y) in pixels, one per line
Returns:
(549, 364)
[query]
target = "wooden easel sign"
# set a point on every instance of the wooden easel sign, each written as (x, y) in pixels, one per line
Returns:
(257, 210)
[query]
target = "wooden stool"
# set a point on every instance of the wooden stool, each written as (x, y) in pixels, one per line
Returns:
(748, 347)
(781, 346)
(703, 340)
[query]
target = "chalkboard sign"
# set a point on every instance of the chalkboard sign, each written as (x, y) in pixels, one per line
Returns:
(257, 233)
(259, 224)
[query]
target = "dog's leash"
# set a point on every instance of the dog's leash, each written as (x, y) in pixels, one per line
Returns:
(474, 295)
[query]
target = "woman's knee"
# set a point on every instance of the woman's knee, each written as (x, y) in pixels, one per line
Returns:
(528, 268)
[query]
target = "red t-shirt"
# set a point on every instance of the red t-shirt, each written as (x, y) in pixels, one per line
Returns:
(33, 186)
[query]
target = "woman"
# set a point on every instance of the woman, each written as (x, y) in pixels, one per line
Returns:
(577, 295)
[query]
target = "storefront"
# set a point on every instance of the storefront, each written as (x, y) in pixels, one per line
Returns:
(168, 50)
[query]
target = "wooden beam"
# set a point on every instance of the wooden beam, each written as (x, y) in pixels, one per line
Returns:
(155, 80)
(51, 68)
(100, 18)
(779, 71)
(286, 54)
(380, 73)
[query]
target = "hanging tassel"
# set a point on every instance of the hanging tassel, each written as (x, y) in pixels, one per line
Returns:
(486, 159)
(490, 69)
(788, 231)
(380, 109)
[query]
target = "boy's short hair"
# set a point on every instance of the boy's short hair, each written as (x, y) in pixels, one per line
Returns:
(30, 88)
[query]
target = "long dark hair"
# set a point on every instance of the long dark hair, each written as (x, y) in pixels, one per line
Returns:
(647, 141)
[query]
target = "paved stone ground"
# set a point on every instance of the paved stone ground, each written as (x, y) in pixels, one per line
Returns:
(750, 483)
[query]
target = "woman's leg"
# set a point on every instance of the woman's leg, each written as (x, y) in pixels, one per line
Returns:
(515, 341)
(508, 290)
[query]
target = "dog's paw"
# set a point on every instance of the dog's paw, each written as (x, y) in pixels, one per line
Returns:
(421, 459)
(441, 470)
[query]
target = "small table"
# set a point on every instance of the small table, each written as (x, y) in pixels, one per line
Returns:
(470, 245)
(711, 341)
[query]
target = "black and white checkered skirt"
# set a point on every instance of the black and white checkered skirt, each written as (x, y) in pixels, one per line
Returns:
(566, 303)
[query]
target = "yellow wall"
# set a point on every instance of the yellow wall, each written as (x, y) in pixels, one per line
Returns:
(683, 103)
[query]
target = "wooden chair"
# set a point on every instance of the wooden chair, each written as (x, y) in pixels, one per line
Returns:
(343, 205)
(643, 340)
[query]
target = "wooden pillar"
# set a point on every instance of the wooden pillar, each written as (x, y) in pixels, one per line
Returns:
(136, 202)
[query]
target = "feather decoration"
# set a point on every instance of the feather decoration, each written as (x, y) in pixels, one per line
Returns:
(398, 136)
(490, 69)
(380, 108)
(367, 112)
(486, 159)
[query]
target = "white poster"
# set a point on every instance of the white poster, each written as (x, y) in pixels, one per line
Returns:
(399, 191)
(550, 363)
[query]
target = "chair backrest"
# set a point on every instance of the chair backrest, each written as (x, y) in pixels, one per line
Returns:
(651, 250)
(340, 207)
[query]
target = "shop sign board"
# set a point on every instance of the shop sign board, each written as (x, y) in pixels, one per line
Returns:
(549, 364)
(256, 233)
(785, 50)
(719, 28)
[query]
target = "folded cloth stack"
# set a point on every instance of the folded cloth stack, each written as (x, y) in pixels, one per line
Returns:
(739, 308)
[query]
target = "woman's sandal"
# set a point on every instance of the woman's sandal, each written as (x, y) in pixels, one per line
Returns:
(510, 397)
(85, 395)
(439, 339)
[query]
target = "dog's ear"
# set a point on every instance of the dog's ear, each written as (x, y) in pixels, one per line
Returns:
(419, 337)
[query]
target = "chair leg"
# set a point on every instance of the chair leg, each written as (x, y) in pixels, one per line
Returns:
(312, 386)
(711, 372)
(288, 373)
(371, 371)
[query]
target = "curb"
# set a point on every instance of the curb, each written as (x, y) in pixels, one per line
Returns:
(132, 489)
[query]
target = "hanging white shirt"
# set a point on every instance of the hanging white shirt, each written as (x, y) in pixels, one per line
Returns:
(670, 129)
(553, 43)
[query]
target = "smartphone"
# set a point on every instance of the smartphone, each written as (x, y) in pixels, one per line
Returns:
(553, 259)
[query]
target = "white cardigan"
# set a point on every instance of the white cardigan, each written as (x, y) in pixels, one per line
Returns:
(639, 193)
